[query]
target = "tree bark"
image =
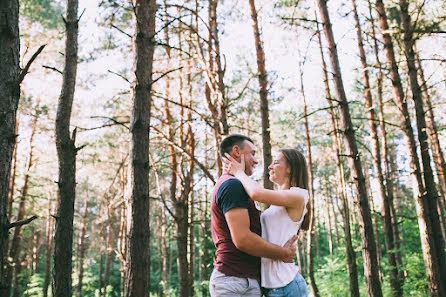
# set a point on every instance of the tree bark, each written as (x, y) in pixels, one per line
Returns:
(9, 100)
(350, 253)
(82, 248)
(263, 86)
(436, 272)
(365, 222)
(66, 152)
(137, 282)
(390, 184)
(14, 251)
(48, 251)
(108, 253)
(395, 282)
(437, 152)
(311, 235)
(423, 204)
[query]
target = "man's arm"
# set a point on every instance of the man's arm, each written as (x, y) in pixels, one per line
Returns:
(247, 241)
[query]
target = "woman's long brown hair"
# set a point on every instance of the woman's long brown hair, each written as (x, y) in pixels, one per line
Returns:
(298, 177)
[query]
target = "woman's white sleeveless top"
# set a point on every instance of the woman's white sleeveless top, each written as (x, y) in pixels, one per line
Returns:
(277, 228)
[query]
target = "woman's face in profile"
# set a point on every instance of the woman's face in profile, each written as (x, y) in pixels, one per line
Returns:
(279, 171)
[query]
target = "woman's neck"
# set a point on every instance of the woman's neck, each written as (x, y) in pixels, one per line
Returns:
(284, 186)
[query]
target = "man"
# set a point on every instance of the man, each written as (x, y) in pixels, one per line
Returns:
(236, 230)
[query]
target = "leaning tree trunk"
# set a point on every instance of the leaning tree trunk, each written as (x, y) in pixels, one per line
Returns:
(437, 275)
(311, 231)
(137, 282)
(365, 222)
(352, 268)
(9, 100)
(66, 152)
(426, 215)
(395, 282)
(263, 84)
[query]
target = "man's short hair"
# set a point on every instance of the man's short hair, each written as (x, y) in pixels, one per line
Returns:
(229, 142)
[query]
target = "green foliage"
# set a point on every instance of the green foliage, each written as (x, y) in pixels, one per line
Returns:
(332, 277)
(35, 286)
(46, 12)
(415, 283)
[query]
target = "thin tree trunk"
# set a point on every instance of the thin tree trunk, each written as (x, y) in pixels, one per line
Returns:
(214, 39)
(385, 151)
(310, 252)
(395, 282)
(351, 256)
(82, 248)
(100, 273)
(164, 248)
(206, 223)
(327, 214)
(137, 281)
(373, 285)
(14, 251)
(434, 256)
(49, 246)
(109, 252)
(311, 235)
(9, 100)
(66, 152)
(263, 85)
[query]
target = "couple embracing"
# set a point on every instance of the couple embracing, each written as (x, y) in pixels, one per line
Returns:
(256, 250)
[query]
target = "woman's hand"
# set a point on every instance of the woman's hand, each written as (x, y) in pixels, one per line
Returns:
(231, 166)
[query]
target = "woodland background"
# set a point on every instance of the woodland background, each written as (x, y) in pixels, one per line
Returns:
(374, 139)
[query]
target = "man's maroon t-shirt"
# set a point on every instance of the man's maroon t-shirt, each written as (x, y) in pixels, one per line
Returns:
(229, 193)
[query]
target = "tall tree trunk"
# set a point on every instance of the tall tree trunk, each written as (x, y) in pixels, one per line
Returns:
(436, 272)
(263, 85)
(385, 151)
(164, 248)
(395, 282)
(14, 251)
(311, 235)
(426, 215)
(137, 281)
(108, 253)
(350, 252)
(82, 248)
(214, 50)
(48, 251)
(437, 152)
(9, 100)
(206, 225)
(366, 228)
(330, 233)
(66, 152)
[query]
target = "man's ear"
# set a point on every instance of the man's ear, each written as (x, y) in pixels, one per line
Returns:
(236, 151)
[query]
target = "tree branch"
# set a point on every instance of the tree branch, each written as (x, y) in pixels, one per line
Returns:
(22, 222)
(52, 68)
(25, 70)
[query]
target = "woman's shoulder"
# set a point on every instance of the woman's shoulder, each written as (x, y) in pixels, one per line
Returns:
(302, 192)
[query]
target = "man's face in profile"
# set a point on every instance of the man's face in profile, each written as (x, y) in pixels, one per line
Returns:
(248, 149)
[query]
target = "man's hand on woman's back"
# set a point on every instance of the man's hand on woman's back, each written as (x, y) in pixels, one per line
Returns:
(291, 246)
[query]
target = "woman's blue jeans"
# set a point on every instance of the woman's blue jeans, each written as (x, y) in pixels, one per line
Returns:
(297, 288)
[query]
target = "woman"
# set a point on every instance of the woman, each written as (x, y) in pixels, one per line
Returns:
(288, 213)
